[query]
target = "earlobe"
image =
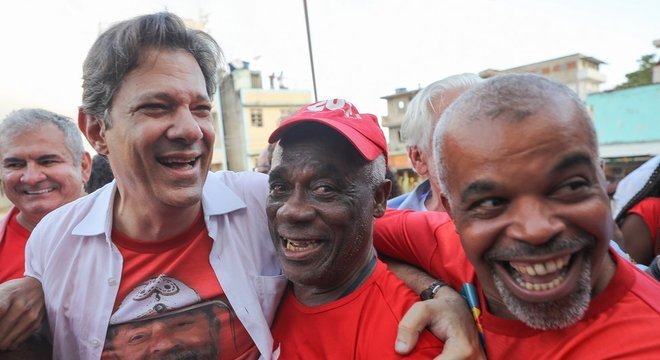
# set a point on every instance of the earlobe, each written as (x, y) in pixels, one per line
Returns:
(418, 161)
(86, 166)
(94, 130)
(381, 195)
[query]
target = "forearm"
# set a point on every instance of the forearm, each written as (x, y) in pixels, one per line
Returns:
(415, 278)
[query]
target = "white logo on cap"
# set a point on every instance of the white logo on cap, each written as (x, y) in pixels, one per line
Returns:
(154, 296)
(335, 104)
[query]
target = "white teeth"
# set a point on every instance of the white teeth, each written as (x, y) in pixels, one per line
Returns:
(178, 161)
(540, 287)
(530, 270)
(541, 268)
(37, 192)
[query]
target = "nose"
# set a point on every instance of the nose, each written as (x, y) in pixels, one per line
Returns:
(296, 209)
(185, 127)
(534, 222)
(162, 341)
(33, 174)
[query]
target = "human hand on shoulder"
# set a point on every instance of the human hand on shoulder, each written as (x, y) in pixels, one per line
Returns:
(21, 310)
(448, 318)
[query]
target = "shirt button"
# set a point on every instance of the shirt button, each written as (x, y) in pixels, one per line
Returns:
(96, 343)
(112, 281)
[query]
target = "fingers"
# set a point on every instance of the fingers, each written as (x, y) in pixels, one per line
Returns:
(21, 311)
(410, 326)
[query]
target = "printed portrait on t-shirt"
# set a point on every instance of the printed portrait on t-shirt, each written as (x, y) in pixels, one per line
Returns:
(163, 318)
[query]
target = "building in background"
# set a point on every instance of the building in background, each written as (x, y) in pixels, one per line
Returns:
(579, 72)
(398, 161)
(249, 113)
(628, 126)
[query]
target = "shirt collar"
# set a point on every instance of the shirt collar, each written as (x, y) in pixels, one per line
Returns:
(217, 199)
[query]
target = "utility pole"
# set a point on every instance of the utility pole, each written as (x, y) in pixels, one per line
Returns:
(309, 45)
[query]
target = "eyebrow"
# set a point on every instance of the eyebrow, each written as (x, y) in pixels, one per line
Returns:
(567, 162)
(476, 187)
(571, 161)
(167, 97)
(39, 158)
(10, 160)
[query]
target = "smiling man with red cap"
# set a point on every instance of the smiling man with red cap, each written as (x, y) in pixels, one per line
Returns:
(327, 186)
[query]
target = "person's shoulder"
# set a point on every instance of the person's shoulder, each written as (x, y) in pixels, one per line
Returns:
(650, 203)
(249, 186)
(645, 288)
(238, 179)
(395, 202)
(78, 208)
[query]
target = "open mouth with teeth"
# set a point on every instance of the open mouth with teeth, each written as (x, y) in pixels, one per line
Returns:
(541, 280)
(299, 248)
(179, 163)
(38, 192)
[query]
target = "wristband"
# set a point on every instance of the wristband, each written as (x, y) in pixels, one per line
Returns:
(429, 292)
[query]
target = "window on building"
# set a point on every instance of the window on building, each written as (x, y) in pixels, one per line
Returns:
(257, 117)
(401, 106)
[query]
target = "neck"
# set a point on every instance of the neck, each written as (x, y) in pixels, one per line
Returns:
(148, 224)
(432, 201)
(315, 296)
(25, 222)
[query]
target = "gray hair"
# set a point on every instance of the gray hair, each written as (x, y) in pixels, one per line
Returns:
(117, 51)
(512, 97)
(427, 106)
(28, 120)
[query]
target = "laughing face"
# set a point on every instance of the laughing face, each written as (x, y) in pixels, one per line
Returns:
(529, 204)
(39, 173)
(161, 140)
(320, 211)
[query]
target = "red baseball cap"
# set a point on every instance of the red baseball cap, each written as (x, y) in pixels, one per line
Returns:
(362, 130)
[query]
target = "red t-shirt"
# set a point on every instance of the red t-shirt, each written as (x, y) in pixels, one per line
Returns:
(619, 323)
(170, 302)
(12, 249)
(362, 325)
(649, 210)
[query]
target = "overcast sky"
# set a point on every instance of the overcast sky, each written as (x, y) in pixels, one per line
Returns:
(363, 49)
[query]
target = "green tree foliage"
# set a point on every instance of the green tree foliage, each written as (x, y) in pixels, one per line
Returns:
(643, 76)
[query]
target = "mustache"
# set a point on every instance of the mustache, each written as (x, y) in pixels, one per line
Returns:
(559, 243)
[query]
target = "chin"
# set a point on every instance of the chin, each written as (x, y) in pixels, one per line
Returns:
(549, 315)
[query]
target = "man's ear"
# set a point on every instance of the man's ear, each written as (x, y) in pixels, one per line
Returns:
(86, 166)
(381, 194)
(94, 130)
(418, 160)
